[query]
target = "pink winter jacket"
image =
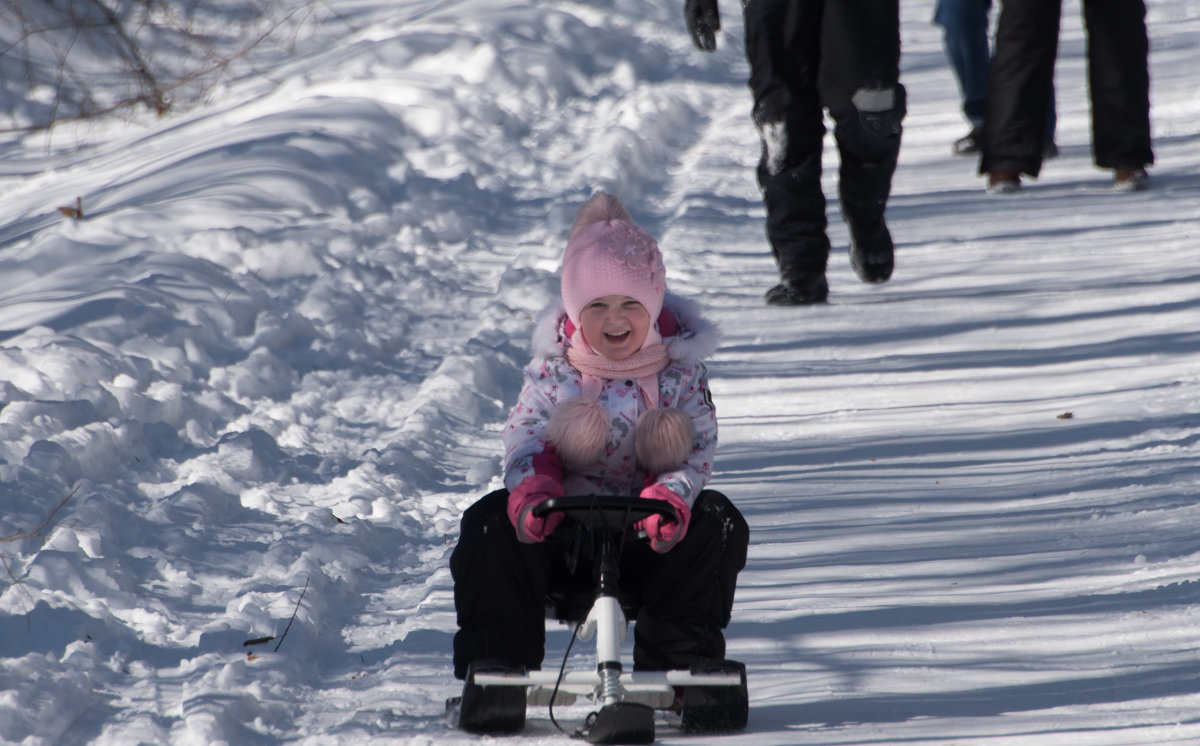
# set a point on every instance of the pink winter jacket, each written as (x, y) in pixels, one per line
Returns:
(683, 384)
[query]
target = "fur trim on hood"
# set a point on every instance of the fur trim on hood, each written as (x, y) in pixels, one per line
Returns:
(694, 340)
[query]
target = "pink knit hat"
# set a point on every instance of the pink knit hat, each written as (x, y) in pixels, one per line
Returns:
(607, 254)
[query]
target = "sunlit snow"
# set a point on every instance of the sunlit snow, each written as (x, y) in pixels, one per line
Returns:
(274, 357)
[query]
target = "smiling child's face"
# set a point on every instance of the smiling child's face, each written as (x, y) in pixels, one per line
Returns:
(615, 325)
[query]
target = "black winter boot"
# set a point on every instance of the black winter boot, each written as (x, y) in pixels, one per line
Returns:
(871, 251)
(806, 292)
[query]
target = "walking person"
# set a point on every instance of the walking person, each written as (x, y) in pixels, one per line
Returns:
(1019, 90)
(965, 27)
(807, 56)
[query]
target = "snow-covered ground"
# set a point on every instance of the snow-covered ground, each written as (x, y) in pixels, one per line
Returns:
(249, 394)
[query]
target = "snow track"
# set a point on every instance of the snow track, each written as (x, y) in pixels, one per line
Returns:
(269, 370)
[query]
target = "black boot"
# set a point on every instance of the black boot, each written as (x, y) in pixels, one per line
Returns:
(871, 251)
(800, 292)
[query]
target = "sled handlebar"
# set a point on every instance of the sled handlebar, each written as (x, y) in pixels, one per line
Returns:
(613, 513)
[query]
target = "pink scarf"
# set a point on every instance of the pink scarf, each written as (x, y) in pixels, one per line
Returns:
(642, 366)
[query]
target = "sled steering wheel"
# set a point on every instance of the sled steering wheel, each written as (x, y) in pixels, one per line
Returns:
(615, 514)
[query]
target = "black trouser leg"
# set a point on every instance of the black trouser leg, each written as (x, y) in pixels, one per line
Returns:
(860, 85)
(783, 48)
(499, 590)
(1119, 80)
(687, 598)
(1020, 86)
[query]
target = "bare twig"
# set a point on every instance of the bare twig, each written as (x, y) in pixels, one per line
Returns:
(20, 587)
(133, 51)
(62, 44)
(37, 531)
(289, 624)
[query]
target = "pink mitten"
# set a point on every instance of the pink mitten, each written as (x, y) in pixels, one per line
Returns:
(521, 501)
(664, 533)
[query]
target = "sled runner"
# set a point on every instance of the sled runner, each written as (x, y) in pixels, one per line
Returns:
(495, 696)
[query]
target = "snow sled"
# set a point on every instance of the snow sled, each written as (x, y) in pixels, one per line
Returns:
(710, 696)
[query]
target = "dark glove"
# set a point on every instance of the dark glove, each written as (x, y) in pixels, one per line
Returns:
(703, 22)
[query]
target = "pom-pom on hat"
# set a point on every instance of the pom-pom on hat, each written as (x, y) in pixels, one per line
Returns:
(607, 254)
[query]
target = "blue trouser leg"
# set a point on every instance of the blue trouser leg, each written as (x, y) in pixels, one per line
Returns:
(965, 38)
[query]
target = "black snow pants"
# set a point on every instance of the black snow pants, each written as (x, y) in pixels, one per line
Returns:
(1021, 77)
(807, 56)
(684, 596)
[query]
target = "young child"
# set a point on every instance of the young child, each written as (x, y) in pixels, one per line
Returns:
(614, 402)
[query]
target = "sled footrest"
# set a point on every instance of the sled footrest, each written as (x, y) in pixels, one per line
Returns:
(622, 722)
(491, 709)
(716, 708)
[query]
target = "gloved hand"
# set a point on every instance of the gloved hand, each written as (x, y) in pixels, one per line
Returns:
(703, 22)
(521, 501)
(665, 533)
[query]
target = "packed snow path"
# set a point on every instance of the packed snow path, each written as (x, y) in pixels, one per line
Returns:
(267, 372)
